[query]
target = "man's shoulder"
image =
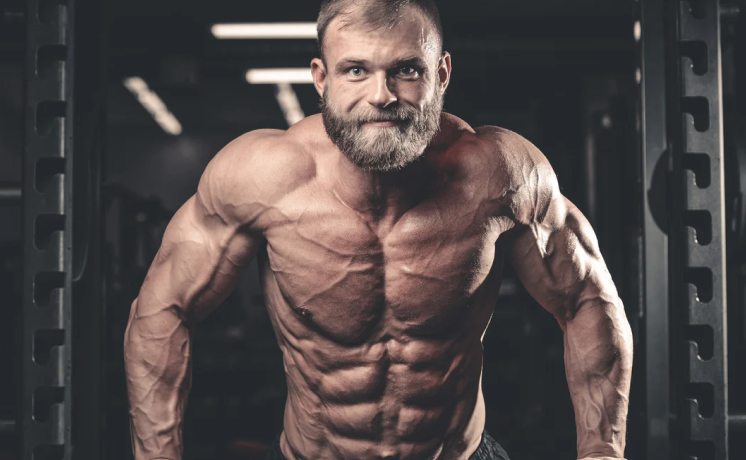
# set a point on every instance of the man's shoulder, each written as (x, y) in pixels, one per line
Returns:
(256, 169)
(517, 171)
(489, 153)
(507, 148)
(264, 153)
(510, 155)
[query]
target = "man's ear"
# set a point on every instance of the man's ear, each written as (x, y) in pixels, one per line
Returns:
(318, 70)
(444, 70)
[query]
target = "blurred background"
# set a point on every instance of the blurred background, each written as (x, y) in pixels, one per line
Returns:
(562, 74)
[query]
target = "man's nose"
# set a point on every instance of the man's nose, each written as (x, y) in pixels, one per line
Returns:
(381, 95)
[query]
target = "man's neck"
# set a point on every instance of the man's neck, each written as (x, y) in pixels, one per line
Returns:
(380, 194)
(388, 195)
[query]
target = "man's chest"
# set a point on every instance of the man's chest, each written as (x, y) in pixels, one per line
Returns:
(344, 271)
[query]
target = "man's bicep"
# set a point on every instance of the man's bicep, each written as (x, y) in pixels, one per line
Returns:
(211, 238)
(198, 263)
(558, 260)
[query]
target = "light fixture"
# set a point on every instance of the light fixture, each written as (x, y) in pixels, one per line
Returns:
(276, 76)
(637, 31)
(153, 104)
(265, 30)
(289, 104)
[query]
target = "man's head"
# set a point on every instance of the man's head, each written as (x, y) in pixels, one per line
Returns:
(382, 77)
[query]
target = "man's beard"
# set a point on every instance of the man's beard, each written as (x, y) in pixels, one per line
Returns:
(386, 148)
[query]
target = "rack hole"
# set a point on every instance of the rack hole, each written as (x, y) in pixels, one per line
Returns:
(704, 394)
(697, 52)
(701, 278)
(44, 284)
(45, 226)
(699, 108)
(704, 337)
(46, 169)
(44, 341)
(699, 164)
(44, 399)
(47, 112)
(49, 59)
(701, 222)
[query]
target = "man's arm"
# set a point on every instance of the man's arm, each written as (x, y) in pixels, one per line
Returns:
(205, 247)
(555, 254)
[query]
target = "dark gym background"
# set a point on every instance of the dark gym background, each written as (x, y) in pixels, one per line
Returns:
(561, 73)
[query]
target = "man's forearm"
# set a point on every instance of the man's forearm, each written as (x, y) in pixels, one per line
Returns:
(598, 364)
(158, 366)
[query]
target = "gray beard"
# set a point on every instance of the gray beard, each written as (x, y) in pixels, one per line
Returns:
(383, 148)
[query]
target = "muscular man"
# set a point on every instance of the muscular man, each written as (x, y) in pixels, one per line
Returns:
(381, 228)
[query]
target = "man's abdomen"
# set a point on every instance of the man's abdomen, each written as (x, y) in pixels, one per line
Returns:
(399, 401)
(395, 388)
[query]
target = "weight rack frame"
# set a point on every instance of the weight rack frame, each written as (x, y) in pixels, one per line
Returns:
(697, 237)
(46, 412)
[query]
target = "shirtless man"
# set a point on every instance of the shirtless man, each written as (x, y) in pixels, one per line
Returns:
(380, 228)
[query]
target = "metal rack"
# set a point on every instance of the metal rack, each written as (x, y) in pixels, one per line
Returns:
(683, 263)
(654, 268)
(46, 412)
(697, 243)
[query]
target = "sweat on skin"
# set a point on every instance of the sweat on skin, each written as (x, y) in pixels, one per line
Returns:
(379, 283)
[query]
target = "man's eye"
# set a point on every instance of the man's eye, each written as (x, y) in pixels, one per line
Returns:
(356, 72)
(407, 71)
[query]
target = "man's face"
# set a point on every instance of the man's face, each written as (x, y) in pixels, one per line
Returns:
(382, 89)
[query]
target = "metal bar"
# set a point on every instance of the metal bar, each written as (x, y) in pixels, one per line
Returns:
(737, 422)
(697, 245)
(655, 313)
(87, 295)
(10, 195)
(45, 408)
(7, 426)
(729, 10)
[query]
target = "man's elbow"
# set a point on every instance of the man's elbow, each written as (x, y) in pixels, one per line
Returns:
(602, 321)
(621, 330)
(152, 329)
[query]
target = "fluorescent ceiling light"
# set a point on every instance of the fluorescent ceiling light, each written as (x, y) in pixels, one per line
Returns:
(275, 76)
(637, 31)
(289, 103)
(265, 30)
(153, 104)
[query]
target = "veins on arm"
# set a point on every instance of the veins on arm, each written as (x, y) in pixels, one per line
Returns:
(201, 256)
(555, 254)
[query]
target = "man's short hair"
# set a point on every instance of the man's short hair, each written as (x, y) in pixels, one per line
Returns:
(376, 14)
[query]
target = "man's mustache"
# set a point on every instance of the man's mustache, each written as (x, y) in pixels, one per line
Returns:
(398, 115)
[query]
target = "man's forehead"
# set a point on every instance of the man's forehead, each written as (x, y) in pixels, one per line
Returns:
(348, 35)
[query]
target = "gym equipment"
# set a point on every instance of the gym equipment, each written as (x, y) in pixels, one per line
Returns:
(61, 203)
(654, 260)
(683, 265)
(697, 243)
(46, 415)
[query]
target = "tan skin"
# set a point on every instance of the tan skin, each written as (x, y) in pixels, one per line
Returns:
(379, 286)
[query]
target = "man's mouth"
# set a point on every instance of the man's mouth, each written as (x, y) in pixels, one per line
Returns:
(381, 123)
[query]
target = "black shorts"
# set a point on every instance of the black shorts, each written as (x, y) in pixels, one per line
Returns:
(488, 449)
